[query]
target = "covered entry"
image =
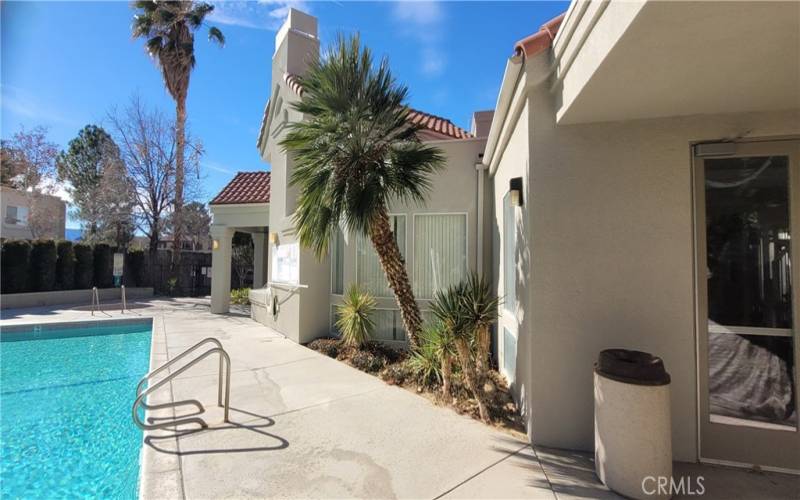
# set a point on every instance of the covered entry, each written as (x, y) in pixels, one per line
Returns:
(242, 206)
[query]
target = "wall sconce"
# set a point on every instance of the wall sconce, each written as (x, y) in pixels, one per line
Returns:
(515, 188)
(215, 244)
(273, 239)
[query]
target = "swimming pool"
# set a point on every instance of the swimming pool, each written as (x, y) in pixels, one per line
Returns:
(67, 390)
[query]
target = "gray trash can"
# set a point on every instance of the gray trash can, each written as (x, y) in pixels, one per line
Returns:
(632, 433)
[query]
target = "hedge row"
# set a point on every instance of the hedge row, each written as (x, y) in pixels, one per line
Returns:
(44, 265)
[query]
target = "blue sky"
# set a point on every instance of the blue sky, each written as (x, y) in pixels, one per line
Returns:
(65, 64)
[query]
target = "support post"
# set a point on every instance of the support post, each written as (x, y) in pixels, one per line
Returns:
(259, 259)
(221, 269)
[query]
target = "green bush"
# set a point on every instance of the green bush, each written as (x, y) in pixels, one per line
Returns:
(103, 266)
(65, 265)
(354, 317)
(135, 268)
(240, 296)
(84, 266)
(42, 266)
(15, 258)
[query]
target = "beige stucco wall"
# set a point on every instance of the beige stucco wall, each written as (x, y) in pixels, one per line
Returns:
(607, 258)
(54, 220)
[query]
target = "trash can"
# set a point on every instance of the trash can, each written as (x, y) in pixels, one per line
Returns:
(632, 433)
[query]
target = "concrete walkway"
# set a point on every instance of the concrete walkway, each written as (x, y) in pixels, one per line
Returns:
(305, 426)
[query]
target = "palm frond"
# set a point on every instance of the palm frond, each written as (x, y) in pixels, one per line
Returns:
(215, 35)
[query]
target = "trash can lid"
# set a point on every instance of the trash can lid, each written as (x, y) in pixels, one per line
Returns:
(632, 367)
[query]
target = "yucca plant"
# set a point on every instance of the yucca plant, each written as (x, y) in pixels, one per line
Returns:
(480, 311)
(355, 153)
(425, 361)
(451, 311)
(355, 322)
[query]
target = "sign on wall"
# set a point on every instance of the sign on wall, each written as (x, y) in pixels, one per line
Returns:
(286, 264)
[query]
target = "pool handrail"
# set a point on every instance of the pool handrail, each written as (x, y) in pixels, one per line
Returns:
(141, 395)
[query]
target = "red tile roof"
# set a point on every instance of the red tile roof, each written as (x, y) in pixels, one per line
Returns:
(429, 122)
(246, 187)
(541, 40)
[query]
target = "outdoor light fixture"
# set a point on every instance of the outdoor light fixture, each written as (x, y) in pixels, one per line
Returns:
(273, 239)
(515, 188)
(215, 244)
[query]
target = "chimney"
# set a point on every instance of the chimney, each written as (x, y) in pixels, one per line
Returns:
(296, 43)
(481, 123)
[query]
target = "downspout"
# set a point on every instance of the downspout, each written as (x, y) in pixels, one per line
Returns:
(480, 170)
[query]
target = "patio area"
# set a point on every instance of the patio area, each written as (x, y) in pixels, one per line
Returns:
(306, 426)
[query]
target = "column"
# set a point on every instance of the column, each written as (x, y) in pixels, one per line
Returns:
(221, 269)
(259, 259)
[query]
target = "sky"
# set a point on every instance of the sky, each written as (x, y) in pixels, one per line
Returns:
(64, 65)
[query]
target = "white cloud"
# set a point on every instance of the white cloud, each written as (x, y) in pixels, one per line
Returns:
(23, 103)
(424, 22)
(216, 167)
(418, 13)
(263, 15)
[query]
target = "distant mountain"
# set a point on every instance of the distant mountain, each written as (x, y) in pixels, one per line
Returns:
(72, 234)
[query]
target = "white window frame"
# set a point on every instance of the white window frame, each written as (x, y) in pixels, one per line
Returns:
(466, 244)
(508, 307)
(18, 222)
(344, 262)
(404, 252)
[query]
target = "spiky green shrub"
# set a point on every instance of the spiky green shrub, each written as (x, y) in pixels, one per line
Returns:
(479, 311)
(65, 265)
(15, 259)
(354, 321)
(425, 361)
(42, 270)
(84, 266)
(103, 266)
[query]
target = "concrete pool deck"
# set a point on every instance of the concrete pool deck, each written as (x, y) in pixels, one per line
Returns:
(306, 426)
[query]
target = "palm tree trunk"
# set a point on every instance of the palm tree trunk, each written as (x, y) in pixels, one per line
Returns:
(482, 356)
(394, 267)
(468, 370)
(180, 143)
(447, 374)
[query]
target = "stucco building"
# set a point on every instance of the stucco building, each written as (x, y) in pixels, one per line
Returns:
(635, 188)
(28, 216)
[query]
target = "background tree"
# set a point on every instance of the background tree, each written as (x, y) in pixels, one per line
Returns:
(116, 199)
(354, 154)
(148, 148)
(169, 28)
(241, 257)
(27, 163)
(196, 224)
(82, 166)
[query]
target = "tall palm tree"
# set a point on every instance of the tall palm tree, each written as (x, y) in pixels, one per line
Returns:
(168, 27)
(355, 153)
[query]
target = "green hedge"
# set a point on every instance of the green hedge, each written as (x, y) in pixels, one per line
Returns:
(84, 266)
(65, 266)
(15, 259)
(135, 272)
(42, 266)
(103, 266)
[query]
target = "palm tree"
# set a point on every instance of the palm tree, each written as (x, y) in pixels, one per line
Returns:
(355, 153)
(451, 310)
(479, 311)
(169, 28)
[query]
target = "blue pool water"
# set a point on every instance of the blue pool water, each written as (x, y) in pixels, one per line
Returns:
(65, 404)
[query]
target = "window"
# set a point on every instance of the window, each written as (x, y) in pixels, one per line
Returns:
(369, 272)
(509, 354)
(509, 259)
(337, 264)
(440, 252)
(17, 216)
(388, 325)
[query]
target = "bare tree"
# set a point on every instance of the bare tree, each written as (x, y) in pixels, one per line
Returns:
(147, 143)
(27, 164)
